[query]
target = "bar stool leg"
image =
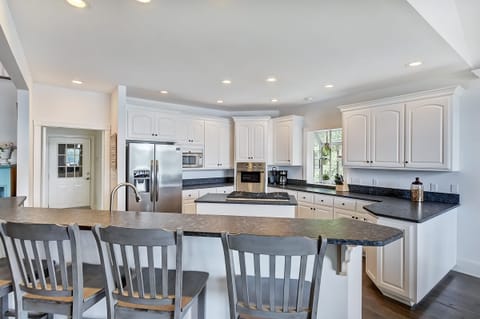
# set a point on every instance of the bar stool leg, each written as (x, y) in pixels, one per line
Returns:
(201, 304)
(3, 306)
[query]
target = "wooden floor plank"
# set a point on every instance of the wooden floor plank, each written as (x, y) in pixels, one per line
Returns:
(457, 296)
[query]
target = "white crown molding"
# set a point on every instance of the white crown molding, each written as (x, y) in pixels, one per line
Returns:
(448, 91)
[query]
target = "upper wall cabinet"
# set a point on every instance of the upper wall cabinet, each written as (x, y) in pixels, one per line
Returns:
(190, 131)
(287, 140)
(218, 145)
(411, 132)
(251, 139)
(146, 124)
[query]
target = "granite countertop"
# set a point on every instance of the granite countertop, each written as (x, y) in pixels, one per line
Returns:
(202, 186)
(385, 206)
(340, 231)
(11, 202)
(222, 199)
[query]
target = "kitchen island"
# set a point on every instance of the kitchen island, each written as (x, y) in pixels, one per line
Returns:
(221, 204)
(340, 292)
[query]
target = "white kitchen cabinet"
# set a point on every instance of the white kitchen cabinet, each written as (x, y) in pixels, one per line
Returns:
(287, 133)
(190, 131)
(387, 139)
(188, 201)
(408, 269)
(314, 206)
(428, 133)
(218, 145)
(147, 124)
(418, 131)
(251, 139)
(356, 138)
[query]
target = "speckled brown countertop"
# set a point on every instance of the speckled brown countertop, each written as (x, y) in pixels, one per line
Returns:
(340, 231)
(10, 202)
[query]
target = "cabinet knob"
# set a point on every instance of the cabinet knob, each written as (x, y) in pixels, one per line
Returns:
(406, 162)
(153, 134)
(321, 200)
(343, 204)
(366, 162)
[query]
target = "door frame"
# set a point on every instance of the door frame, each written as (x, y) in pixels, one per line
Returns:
(46, 169)
(39, 167)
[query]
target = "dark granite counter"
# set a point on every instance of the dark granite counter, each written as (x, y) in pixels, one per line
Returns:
(385, 206)
(222, 199)
(340, 231)
(203, 186)
(11, 202)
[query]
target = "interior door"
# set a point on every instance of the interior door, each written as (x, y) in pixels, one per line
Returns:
(69, 179)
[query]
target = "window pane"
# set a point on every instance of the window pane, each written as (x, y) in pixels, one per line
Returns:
(61, 172)
(327, 155)
(78, 171)
(61, 149)
(70, 172)
(61, 160)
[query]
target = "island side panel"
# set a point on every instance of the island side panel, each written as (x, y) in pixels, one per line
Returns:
(231, 209)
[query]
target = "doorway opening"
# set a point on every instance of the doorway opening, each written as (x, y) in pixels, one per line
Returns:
(73, 168)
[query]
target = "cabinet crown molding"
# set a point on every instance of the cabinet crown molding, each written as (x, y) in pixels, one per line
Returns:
(447, 91)
(251, 118)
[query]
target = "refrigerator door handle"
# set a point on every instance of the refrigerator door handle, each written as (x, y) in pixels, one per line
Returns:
(157, 187)
(152, 181)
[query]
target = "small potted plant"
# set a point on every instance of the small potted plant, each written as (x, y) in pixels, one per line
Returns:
(341, 186)
(325, 177)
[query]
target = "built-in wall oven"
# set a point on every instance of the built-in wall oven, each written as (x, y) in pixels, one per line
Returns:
(192, 158)
(250, 177)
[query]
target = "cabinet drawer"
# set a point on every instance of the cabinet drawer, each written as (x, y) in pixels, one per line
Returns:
(305, 197)
(345, 203)
(323, 200)
(342, 213)
(190, 194)
(323, 212)
(225, 190)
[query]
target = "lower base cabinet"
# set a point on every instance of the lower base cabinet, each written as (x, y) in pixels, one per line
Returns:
(189, 196)
(408, 269)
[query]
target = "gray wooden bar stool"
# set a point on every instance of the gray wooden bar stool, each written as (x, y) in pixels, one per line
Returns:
(5, 286)
(286, 297)
(147, 291)
(36, 249)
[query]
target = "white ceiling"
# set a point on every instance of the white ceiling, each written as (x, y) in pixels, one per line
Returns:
(188, 46)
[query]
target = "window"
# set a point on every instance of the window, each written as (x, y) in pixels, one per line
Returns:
(326, 156)
(70, 160)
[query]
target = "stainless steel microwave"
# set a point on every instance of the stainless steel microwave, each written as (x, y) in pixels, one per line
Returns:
(192, 158)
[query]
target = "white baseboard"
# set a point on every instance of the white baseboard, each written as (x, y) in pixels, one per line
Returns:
(468, 266)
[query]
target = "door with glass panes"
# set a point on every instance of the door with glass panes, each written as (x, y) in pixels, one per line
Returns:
(69, 179)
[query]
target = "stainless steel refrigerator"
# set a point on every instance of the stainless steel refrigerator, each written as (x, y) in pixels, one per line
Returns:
(156, 171)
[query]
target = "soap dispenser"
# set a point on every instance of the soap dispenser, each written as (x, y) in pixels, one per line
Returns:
(416, 190)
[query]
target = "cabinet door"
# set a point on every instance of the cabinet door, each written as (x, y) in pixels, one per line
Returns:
(224, 145)
(225, 190)
(394, 269)
(387, 136)
(341, 213)
(356, 138)
(190, 131)
(165, 127)
(282, 140)
(323, 212)
(189, 207)
(258, 142)
(305, 211)
(212, 144)
(427, 139)
(371, 262)
(140, 124)
(242, 142)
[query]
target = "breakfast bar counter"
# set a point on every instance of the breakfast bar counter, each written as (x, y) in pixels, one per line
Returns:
(340, 292)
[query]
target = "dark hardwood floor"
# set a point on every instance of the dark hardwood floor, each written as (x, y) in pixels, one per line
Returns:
(457, 296)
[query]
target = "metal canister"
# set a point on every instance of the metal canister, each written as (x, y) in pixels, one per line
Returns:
(416, 190)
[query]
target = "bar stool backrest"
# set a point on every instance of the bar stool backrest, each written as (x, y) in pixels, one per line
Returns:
(39, 256)
(286, 296)
(128, 280)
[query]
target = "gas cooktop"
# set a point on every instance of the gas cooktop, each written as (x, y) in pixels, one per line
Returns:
(275, 196)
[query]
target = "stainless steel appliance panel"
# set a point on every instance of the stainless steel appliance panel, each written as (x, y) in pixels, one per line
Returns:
(140, 172)
(168, 179)
(250, 177)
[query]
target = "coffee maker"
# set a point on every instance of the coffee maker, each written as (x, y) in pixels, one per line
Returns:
(282, 178)
(273, 176)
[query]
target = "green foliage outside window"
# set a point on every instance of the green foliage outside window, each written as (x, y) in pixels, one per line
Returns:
(327, 156)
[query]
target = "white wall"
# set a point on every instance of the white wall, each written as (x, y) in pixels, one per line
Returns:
(8, 112)
(468, 179)
(53, 106)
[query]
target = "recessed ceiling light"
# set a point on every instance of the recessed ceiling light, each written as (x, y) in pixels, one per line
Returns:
(164, 92)
(274, 100)
(329, 86)
(271, 79)
(220, 101)
(77, 3)
(308, 99)
(227, 82)
(144, 1)
(416, 63)
(77, 82)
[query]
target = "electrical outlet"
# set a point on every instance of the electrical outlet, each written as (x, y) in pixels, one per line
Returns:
(433, 187)
(374, 181)
(454, 188)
